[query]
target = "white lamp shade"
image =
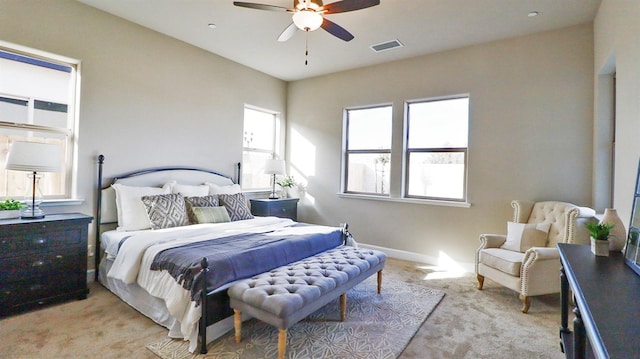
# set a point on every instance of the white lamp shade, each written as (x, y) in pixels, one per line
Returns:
(274, 167)
(33, 157)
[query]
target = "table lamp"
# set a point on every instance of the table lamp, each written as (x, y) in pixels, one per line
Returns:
(33, 157)
(274, 167)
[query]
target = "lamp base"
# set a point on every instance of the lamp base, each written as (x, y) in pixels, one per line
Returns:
(274, 196)
(32, 213)
(32, 217)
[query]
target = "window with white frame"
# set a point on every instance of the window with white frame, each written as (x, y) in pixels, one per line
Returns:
(436, 141)
(367, 150)
(260, 143)
(38, 96)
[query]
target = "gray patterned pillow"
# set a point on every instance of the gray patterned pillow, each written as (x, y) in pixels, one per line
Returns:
(204, 201)
(236, 205)
(166, 210)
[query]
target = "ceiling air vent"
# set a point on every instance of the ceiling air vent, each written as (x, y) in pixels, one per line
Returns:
(386, 45)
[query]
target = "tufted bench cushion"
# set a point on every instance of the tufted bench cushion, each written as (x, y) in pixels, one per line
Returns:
(286, 295)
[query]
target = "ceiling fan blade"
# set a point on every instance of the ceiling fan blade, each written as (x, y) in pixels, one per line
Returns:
(288, 33)
(349, 5)
(336, 30)
(251, 5)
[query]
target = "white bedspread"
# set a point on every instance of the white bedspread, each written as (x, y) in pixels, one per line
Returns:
(133, 262)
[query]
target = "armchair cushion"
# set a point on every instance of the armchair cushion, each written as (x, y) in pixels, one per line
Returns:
(522, 236)
(506, 261)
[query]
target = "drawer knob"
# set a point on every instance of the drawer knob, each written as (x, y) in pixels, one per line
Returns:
(40, 241)
(37, 264)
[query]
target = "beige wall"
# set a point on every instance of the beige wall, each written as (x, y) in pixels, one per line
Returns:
(147, 99)
(617, 49)
(530, 138)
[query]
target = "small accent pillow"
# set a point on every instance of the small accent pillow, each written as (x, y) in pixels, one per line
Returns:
(211, 214)
(236, 205)
(522, 236)
(204, 201)
(166, 210)
(131, 211)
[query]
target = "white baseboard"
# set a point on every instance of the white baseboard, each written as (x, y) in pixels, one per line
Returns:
(419, 258)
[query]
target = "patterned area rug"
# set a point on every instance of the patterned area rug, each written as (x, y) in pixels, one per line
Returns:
(376, 327)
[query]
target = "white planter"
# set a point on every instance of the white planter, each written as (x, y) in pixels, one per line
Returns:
(600, 248)
(14, 213)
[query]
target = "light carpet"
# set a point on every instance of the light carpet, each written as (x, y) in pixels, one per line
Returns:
(376, 326)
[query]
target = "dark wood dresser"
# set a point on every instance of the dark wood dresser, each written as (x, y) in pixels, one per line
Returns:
(42, 261)
(283, 207)
(607, 303)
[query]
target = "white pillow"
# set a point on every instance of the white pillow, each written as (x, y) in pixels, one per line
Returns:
(188, 190)
(217, 189)
(132, 215)
(522, 236)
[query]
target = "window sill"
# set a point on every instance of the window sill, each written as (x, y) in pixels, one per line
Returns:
(406, 200)
(62, 202)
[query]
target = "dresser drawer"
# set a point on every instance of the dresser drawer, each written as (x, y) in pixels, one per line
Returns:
(16, 242)
(41, 264)
(284, 208)
(40, 289)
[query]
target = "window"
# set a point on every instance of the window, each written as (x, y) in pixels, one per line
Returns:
(38, 94)
(367, 150)
(436, 148)
(260, 142)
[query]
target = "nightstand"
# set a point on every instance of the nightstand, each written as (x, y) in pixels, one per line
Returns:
(283, 207)
(42, 261)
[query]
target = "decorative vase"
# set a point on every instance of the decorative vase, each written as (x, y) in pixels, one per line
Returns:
(599, 248)
(618, 235)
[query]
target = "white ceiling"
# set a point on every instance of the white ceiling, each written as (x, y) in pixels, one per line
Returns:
(248, 36)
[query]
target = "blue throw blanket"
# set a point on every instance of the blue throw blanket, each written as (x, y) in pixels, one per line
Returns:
(240, 256)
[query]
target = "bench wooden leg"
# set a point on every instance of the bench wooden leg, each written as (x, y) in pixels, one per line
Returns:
(237, 323)
(379, 281)
(343, 306)
(282, 343)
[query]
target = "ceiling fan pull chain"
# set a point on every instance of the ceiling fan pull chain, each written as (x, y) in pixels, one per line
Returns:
(306, 48)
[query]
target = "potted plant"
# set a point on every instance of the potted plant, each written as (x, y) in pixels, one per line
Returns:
(288, 184)
(599, 237)
(10, 208)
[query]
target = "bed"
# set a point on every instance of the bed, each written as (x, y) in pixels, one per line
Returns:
(173, 239)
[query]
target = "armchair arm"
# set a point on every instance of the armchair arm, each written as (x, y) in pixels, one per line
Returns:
(540, 271)
(540, 254)
(491, 240)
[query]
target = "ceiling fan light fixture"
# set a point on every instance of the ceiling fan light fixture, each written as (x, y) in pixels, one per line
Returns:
(307, 4)
(307, 20)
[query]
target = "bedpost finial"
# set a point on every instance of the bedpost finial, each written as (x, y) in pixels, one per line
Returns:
(204, 263)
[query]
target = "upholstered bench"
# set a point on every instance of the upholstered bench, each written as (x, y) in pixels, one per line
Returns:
(288, 294)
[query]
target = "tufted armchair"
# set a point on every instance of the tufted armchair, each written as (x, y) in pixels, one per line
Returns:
(533, 271)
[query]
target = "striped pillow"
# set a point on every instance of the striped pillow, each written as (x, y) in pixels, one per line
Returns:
(204, 201)
(211, 214)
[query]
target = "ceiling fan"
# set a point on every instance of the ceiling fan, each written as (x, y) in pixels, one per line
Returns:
(308, 15)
